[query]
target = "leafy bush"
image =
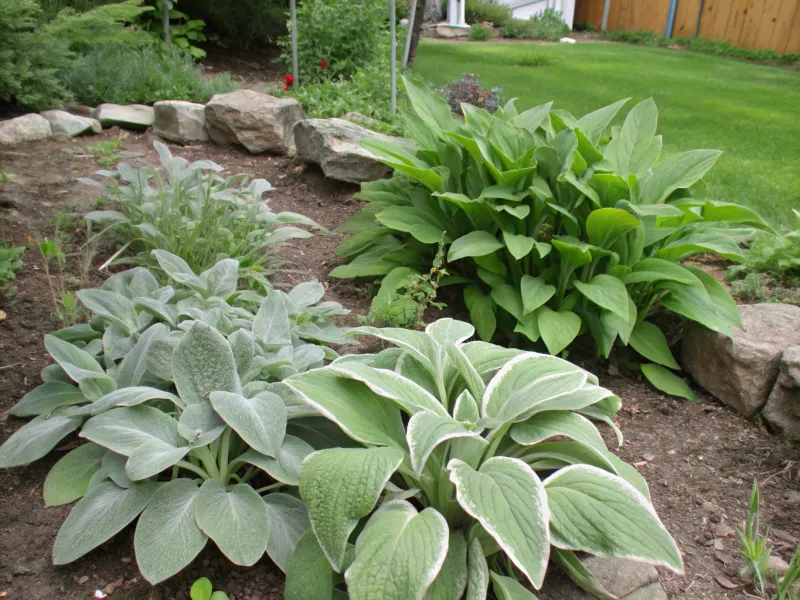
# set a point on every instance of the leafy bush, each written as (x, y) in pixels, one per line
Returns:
(346, 34)
(197, 215)
(554, 228)
(479, 12)
(241, 23)
(10, 261)
(468, 90)
(142, 76)
(770, 252)
(454, 439)
(480, 32)
(103, 25)
(548, 25)
(177, 391)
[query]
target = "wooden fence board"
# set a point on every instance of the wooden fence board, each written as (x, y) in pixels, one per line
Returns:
(686, 18)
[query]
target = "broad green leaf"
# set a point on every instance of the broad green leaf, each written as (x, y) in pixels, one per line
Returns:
(426, 430)
(151, 458)
(340, 487)
(478, 578)
(508, 588)
(694, 302)
(579, 574)
(201, 589)
(221, 279)
(398, 555)
(81, 367)
(309, 575)
(271, 325)
(548, 424)
(450, 330)
(361, 413)
(130, 396)
(178, 269)
(726, 306)
(200, 425)
(125, 429)
(649, 341)
(285, 468)
(558, 329)
(633, 139)
(260, 420)
(421, 225)
(134, 365)
(69, 478)
(509, 299)
(420, 345)
(656, 269)
(104, 511)
(666, 381)
(701, 242)
(518, 245)
(202, 363)
(594, 124)
(605, 226)
(475, 243)
(288, 520)
(307, 293)
(678, 171)
(429, 106)
(468, 373)
(112, 467)
(600, 513)
(44, 399)
(167, 537)
(35, 439)
(607, 292)
(535, 292)
(481, 312)
(114, 307)
(451, 582)
(508, 499)
(235, 518)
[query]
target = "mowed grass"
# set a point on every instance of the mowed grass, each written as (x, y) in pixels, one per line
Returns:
(749, 111)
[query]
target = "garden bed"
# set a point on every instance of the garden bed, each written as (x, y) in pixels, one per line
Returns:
(699, 459)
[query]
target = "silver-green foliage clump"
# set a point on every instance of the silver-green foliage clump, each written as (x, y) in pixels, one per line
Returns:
(477, 465)
(177, 390)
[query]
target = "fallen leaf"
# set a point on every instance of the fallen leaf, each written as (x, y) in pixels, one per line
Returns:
(723, 531)
(725, 582)
(725, 559)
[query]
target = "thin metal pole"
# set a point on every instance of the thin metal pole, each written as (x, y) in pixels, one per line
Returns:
(393, 56)
(295, 74)
(166, 6)
(411, 18)
(673, 5)
(606, 10)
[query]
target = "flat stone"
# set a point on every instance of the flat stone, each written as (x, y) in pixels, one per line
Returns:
(128, 116)
(654, 591)
(741, 372)
(180, 122)
(782, 410)
(259, 122)
(334, 144)
(26, 128)
(63, 122)
(446, 31)
(620, 577)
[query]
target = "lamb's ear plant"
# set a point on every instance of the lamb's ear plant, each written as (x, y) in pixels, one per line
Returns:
(477, 466)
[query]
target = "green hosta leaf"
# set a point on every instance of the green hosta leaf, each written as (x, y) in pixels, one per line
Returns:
(666, 381)
(526, 382)
(151, 458)
(535, 292)
(398, 555)
(694, 302)
(656, 269)
(271, 325)
(202, 363)
(606, 225)
(308, 575)
(466, 409)
(648, 340)
(420, 345)
(579, 574)
(558, 329)
(508, 588)
(594, 124)
(475, 243)
(450, 330)
(35, 439)
(451, 582)
(361, 413)
(285, 468)
(468, 372)
(236, 519)
(426, 430)
(607, 292)
(44, 399)
(167, 537)
(104, 511)
(69, 478)
(600, 513)
(478, 578)
(81, 367)
(200, 425)
(509, 299)
(518, 245)
(481, 312)
(421, 225)
(125, 429)
(341, 486)
(507, 498)
(678, 171)
(260, 421)
(288, 519)
(114, 307)
(725, 305)
(633, 139)
(700, 242)
(548, 424)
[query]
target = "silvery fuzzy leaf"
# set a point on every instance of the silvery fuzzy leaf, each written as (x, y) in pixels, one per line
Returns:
(203, 362)
(260, 420)
(288, 519)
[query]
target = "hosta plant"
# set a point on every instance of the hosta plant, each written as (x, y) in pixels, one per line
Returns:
(478, 465)
(554, 228)
(177, 393)
(191, 211)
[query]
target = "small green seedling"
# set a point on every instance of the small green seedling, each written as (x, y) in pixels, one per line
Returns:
(203, 590)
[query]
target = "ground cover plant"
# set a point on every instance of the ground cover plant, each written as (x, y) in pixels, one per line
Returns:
(553, 228)
(189, 210)
(478, 32)
(455, 486)
(548, 25)
(176, 389)
(698, 96)
(10, 262)
(468, 89)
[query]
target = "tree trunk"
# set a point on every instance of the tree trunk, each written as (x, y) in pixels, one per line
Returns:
(416, 30)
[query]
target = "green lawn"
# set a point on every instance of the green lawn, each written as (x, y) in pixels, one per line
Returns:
(751, 112)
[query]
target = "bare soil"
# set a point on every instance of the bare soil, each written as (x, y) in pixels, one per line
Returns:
(699, 459)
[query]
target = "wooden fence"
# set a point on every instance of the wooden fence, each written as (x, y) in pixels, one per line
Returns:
(771, 24)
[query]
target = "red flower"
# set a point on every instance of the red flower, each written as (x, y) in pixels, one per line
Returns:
(289, 79)
(285, 88)
(324, 64)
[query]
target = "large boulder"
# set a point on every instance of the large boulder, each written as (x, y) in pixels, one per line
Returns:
(334, 144)
(782, 410)
(180, 122)
(63, 122)
(624, 579)
(26, 128)
(128, 116)
(741, 371)
(259, 122)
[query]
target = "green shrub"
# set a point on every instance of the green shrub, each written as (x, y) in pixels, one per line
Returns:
(517, 29)
(454, 447)
(773, 253)
(553, 228)
(345, 34)
(10, 261)
(105, 24)
(198, 215)
(142, 76)
(241, 23)
(547, 25)
(480, 32)
(476, 12)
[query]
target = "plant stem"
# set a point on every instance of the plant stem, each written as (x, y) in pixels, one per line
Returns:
(223, 455)
(208, 461)
(193, 468)
(268, 488)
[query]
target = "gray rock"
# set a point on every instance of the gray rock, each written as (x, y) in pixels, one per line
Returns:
(446, 31)
(63, 122)
(26, 128)
(259, 122)
(742, 371)
(626, 579)
(129, 116)
(334, 144)
(179, 121)
(782, 410)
